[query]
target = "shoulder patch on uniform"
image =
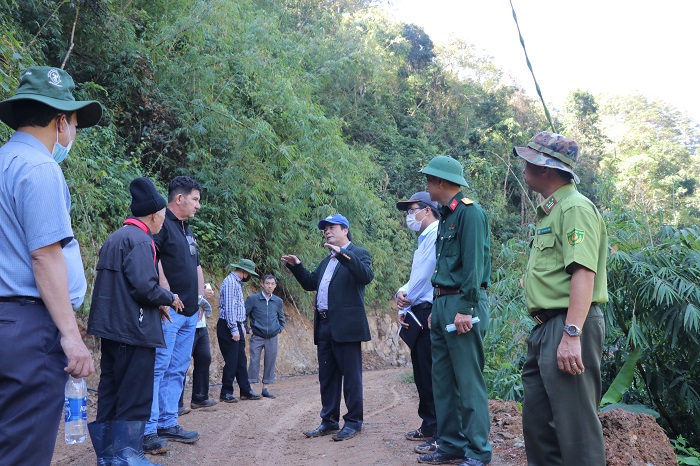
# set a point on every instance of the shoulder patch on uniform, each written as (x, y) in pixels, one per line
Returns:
(550, 204)
(467, 201)
(575, 236)
(453, 204)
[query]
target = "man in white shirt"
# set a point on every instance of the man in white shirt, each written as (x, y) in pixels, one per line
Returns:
(415, 300)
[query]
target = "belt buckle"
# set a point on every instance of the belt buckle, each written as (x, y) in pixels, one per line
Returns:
(438, 292)
(538, 319)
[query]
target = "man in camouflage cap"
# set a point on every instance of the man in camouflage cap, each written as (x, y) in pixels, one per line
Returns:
(565, 282)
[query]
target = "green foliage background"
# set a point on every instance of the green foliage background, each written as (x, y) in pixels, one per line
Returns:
(289, 110)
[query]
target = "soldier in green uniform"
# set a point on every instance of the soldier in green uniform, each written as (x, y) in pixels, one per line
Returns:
(565, 282)
(461, 276)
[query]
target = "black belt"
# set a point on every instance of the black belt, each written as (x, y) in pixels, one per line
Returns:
(421, 306)
(322, 314)
(439, 291)
(543, 315)
(21, 300)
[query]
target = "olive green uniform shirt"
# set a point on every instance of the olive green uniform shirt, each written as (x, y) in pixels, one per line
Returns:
(569, 230)
(463, 250)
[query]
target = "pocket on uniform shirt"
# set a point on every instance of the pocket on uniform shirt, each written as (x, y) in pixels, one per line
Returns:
(450, 246)
(546, 258)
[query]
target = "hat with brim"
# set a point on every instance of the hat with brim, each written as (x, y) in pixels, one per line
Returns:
(335, 219)
(551, 150)
(447, 168)
(53, 87)
(421, 196)
(245, 264)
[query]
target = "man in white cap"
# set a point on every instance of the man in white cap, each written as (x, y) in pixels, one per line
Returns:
(41, 275)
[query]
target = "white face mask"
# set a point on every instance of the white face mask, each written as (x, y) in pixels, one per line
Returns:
(412, 223)
(59, 152)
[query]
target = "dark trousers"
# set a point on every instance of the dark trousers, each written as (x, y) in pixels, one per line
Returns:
(461, 401)
(235, 361)
(422, 360)
(560, 410)
(32, 383)
(339, 368)
(124, 367)
(201, 354)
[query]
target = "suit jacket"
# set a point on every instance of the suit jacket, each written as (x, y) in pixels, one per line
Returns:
(346, 293)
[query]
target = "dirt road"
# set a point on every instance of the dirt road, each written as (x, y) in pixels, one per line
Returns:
(269, 432)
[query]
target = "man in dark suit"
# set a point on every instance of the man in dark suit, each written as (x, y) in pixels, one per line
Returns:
(340, 324)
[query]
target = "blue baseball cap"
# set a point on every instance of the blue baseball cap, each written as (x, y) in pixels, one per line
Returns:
(335, 219)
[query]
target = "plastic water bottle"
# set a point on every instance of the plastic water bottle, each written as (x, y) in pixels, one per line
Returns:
(75, 407)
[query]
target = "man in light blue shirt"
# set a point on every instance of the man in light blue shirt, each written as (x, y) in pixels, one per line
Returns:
(415, 300)
(41, 272)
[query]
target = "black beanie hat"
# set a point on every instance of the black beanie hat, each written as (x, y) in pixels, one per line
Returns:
(145, 200)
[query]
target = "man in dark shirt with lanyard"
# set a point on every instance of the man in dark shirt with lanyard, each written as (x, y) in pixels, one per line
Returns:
(180, 272)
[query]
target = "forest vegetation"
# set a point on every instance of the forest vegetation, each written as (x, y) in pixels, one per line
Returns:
(289, 110)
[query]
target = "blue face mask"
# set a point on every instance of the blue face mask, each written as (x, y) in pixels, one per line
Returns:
(59, 152)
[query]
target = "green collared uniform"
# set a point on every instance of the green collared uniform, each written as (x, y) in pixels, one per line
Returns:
(463, 249)
(560, 410)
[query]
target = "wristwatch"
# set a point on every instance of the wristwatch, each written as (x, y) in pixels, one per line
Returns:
(572, 330)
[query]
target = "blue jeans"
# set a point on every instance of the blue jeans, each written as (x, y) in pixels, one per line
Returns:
(172, 363)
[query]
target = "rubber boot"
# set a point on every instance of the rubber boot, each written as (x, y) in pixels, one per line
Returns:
(101, 436)
(128, 444)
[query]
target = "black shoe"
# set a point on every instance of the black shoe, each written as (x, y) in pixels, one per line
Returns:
(418, 435)
(428, 447)
(203, 404)
(154, 445)
(228, 398)
(473, 462)
(178, 434)
(345, 434)
(251, 395)
(181, 411)
(267, 394)
(440, 457)
(323, 429)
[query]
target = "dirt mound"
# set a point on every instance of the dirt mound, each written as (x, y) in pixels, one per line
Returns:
(635, 440)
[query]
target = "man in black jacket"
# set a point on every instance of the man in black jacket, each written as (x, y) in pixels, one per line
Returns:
(125, 315)
(340, 324)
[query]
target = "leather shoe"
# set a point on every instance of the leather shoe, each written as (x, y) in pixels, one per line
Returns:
(182, 410)
(440, 457)
(346, 433)
(178, 434)
(251, 395)
(473, 462)
(228, 398)
(323, 429)
(267, 394)
(203, 404)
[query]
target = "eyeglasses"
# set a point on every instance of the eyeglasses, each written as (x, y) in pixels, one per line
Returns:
(193, 245)
(413, 210)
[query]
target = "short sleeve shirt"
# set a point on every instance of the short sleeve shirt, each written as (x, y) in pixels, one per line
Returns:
(569, 230)
(179, 255)
(34, 213)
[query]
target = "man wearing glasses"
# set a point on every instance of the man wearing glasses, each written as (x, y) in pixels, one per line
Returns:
(415, 300)
(181, 273)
